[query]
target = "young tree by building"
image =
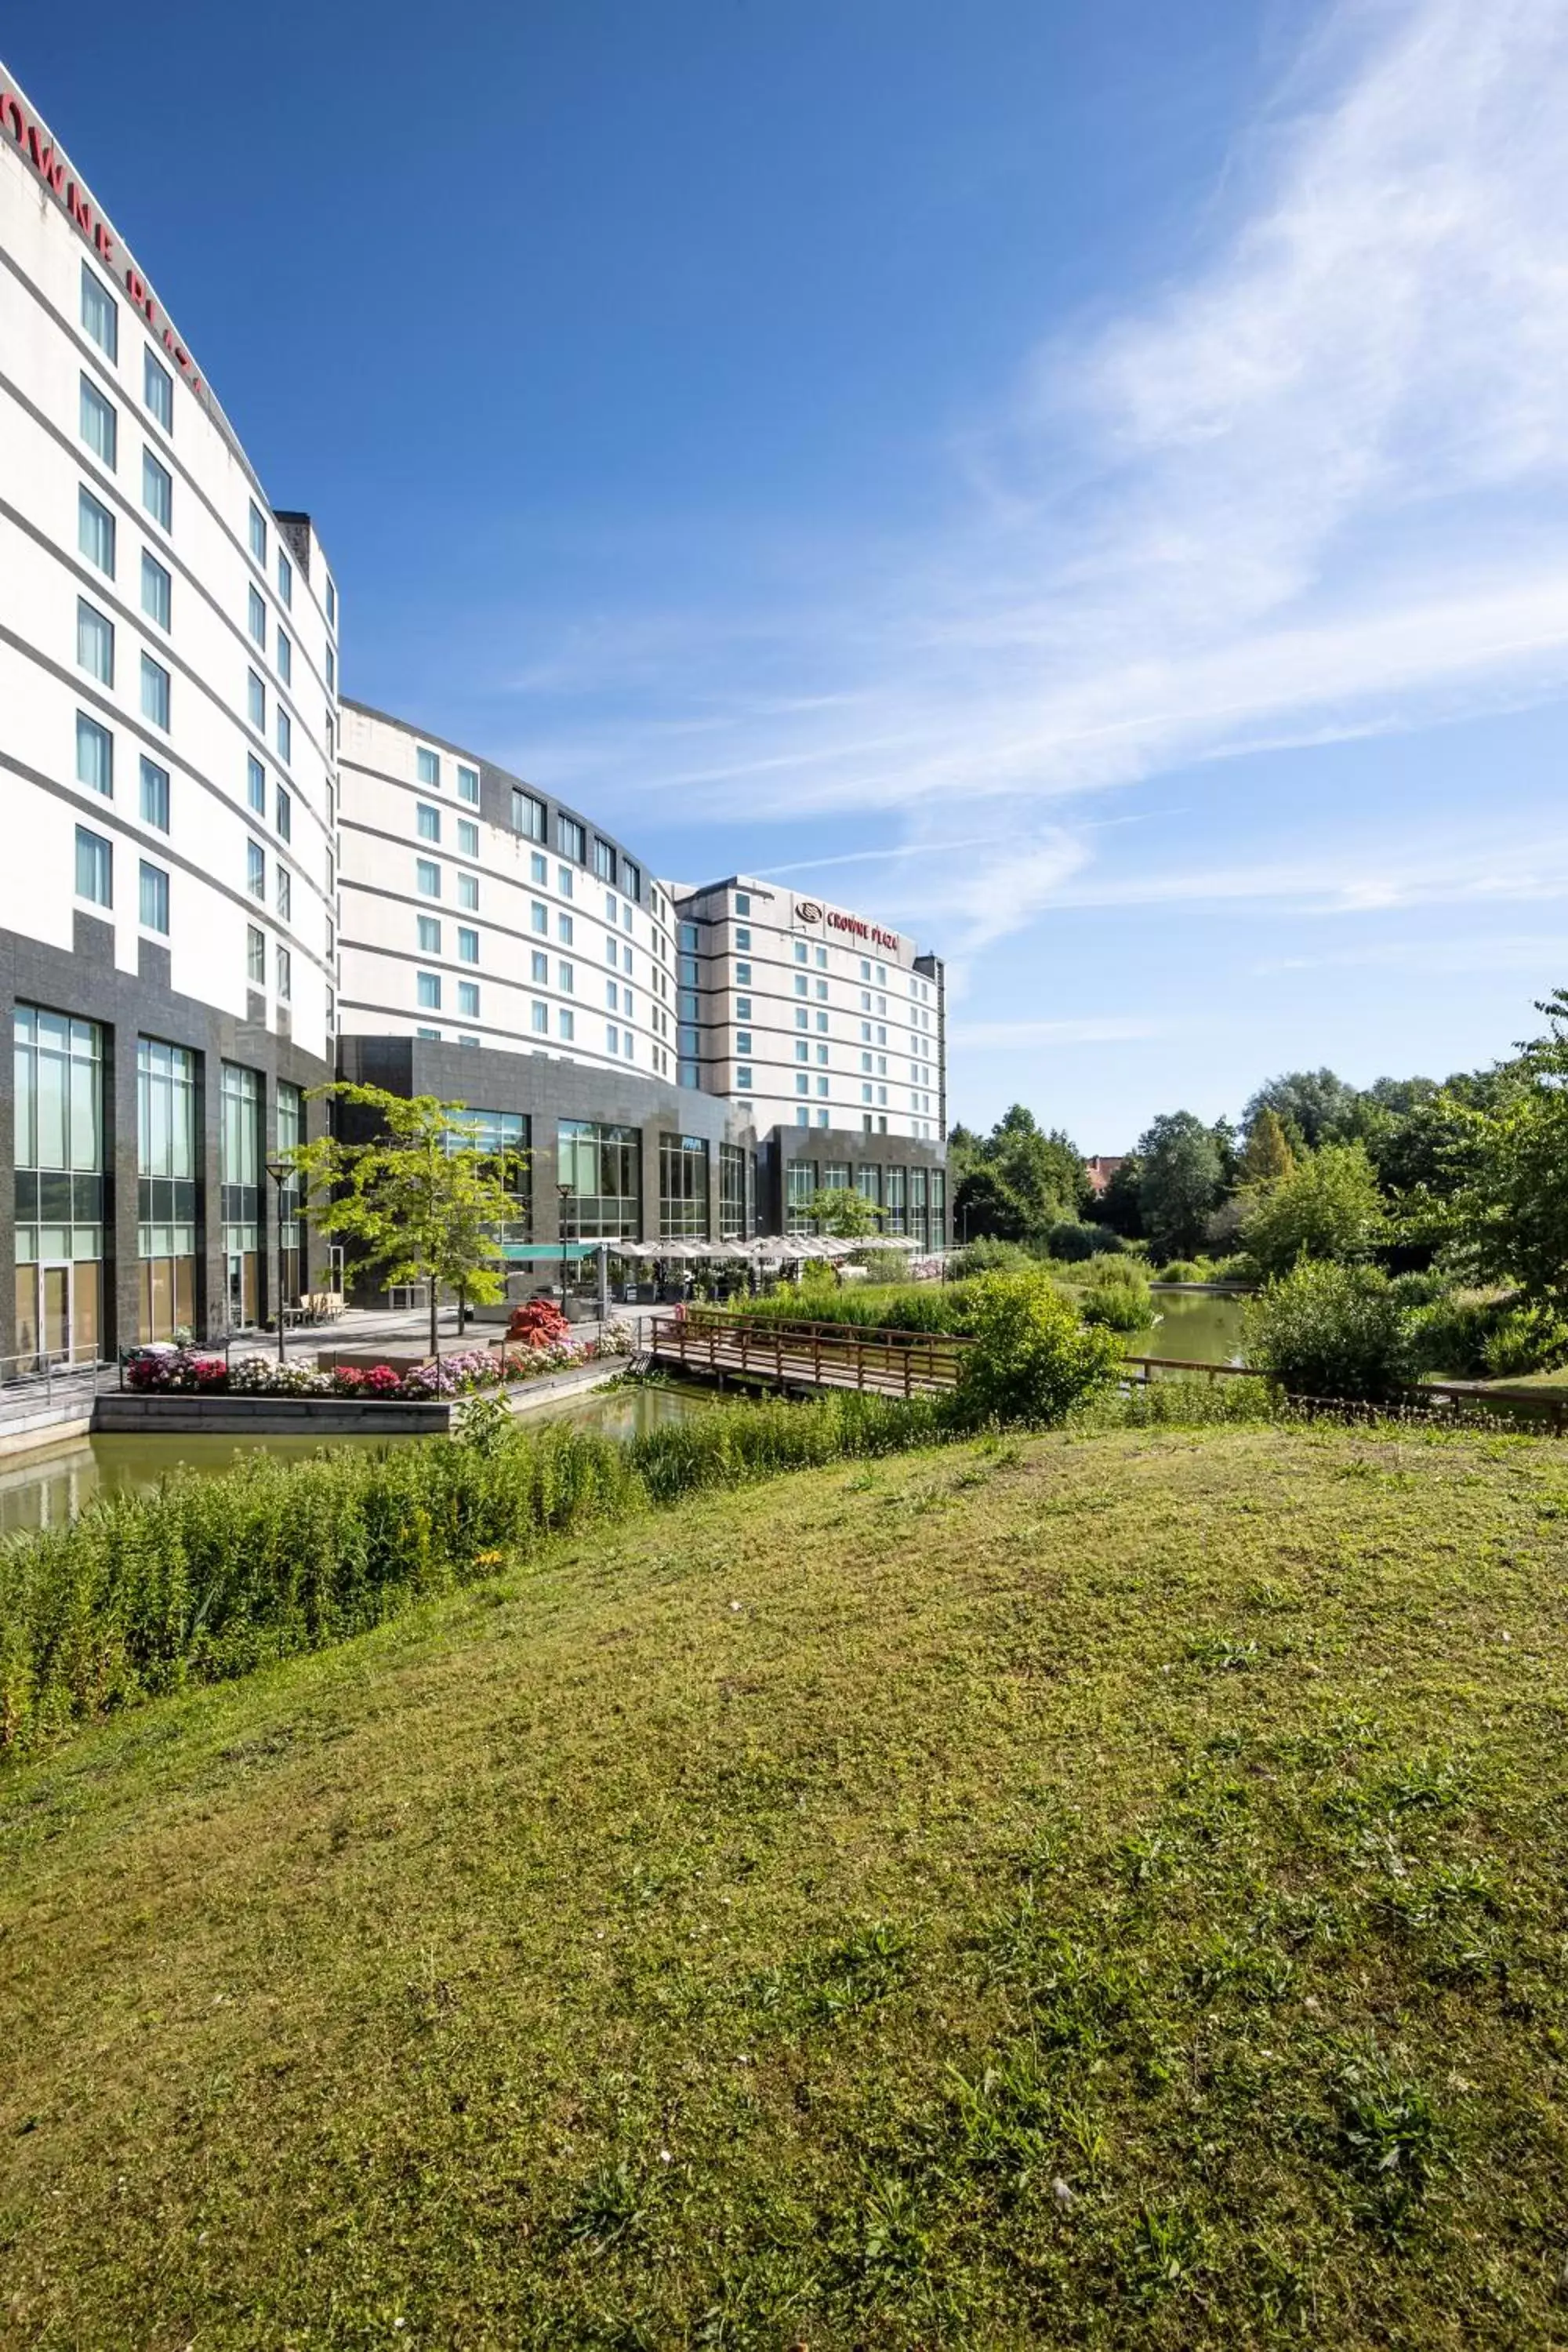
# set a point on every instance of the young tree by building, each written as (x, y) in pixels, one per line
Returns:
(846, 1215)
(419, 1200)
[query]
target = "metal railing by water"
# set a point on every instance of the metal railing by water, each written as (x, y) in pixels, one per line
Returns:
(32, 1376)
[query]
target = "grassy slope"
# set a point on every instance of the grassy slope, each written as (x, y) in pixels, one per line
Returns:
(594, 1960)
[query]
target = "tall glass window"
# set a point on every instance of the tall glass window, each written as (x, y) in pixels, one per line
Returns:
(938, 1207)
(919, 1199)
(100, 314)
(505, 1131)
(166, 1187)
(898, 1202)
(242, 1191)
(603, 1167)
(736, 1193)
(57, 1073)
(95, 532)
(291, 1131)
(682, 1188)
(800, 1183)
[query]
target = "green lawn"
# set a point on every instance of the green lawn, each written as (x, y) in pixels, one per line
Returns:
(1104, 1890)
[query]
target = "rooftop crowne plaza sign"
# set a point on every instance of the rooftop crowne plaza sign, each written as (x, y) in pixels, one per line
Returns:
(20, 128)
(807, 910)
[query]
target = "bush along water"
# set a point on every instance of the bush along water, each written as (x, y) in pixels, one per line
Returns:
(209, 1577)
(1332, 1331)
(1117, 1295)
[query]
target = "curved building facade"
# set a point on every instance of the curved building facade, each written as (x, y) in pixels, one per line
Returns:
(168, 679)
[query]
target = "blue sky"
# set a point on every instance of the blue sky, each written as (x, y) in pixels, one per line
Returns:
(1082, 481)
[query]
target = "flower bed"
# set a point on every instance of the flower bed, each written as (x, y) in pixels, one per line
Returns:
(185, 1372)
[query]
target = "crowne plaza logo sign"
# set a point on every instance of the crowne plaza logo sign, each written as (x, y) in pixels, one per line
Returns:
(809, 910)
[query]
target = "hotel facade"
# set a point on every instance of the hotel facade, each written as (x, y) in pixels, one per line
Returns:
(226, 883)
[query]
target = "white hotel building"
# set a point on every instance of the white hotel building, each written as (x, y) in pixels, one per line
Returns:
(225, 884)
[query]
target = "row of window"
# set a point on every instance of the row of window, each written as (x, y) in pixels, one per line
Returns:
(530, 818)
(427, 766)
(95, 654)
(95, 880)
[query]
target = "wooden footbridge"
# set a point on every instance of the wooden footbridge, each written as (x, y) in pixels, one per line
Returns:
(788, 1355)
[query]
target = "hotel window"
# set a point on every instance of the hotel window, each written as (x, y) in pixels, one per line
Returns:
(158, 392)
(427, 767)
(157, 490)
(468, 893)
(822, 1023)
(167, 1188)
(822, 1053)
(566, 974)
(468, 951)
(800, 951)
(689, 938)
(802, 1083)
(802, 984)
(285, 737)
(865, 1062)
(744, 1079)
(155, 692)
(612, 996)
(256, 784)
(566, 1021)
(285, 578)
(743, 935)
(563, 929)
(426, 878)
(94, 755)
(881, 975)
(571, 839)
(528, 815)
(100, 314)
(802, 1017)
(603, 862)
(154, 795)
(256, 869)
(94, 867)
(468, 785)
(822, 989)
(822, 1085)
(257, 533)
(742, 1008)
(821, 958)
(95, 532)
(332, 605)
(742, 903)
(255, 956)
(541, 969)
(803, 1118)
(601, 1167)
(468, 999)
(429, 935)
(99, 423)
(742, 1041)
(285, 657)
(255, 702)
(427, 821)
(682, 1188)
(538, 916)
(610, 959)
(155, 897)
(631, 880)
(155, 590)
(285, 814)
(541, 1014)
(95, 643)
(539, 869)
(429, 992)
(627, 921)
(331, 671)
(802, 1051)
(609, 908)
(467, 837)
(285, 963)
(284, 892)
(432, 1036)
(743, 975)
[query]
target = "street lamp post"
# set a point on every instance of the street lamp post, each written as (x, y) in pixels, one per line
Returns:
(565, 1192)
(279, 1170)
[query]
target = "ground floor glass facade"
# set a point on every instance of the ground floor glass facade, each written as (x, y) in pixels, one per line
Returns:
(59, 1155)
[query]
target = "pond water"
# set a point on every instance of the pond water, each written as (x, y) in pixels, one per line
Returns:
(45, 1488)
(1196, 1329)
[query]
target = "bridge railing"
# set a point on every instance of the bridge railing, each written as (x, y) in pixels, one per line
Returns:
(885, 1361)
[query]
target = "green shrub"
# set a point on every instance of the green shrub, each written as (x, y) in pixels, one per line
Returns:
(896, 1306)
(1033, 1358)
(1183, 1270)
(1331, 1330)
(883, 1265)
(1117, 1295)
(1468, 1335)
(1070, 1242)
(988, 1256)
(1526, 1340)
(1419, 1290)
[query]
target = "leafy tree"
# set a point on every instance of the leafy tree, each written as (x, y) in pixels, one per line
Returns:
(1328, 1206)
(1121, 1205)
(985, 1208)
(1327, 1330)
(1016, 1181)
(1318, 1106)
(1510, 1212)
(418, 1200)
(845, 1214)
(1181, 1177)
(1032, 1360)
(1267, 1155)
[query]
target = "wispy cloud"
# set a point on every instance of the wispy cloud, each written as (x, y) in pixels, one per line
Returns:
(1316, 491)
